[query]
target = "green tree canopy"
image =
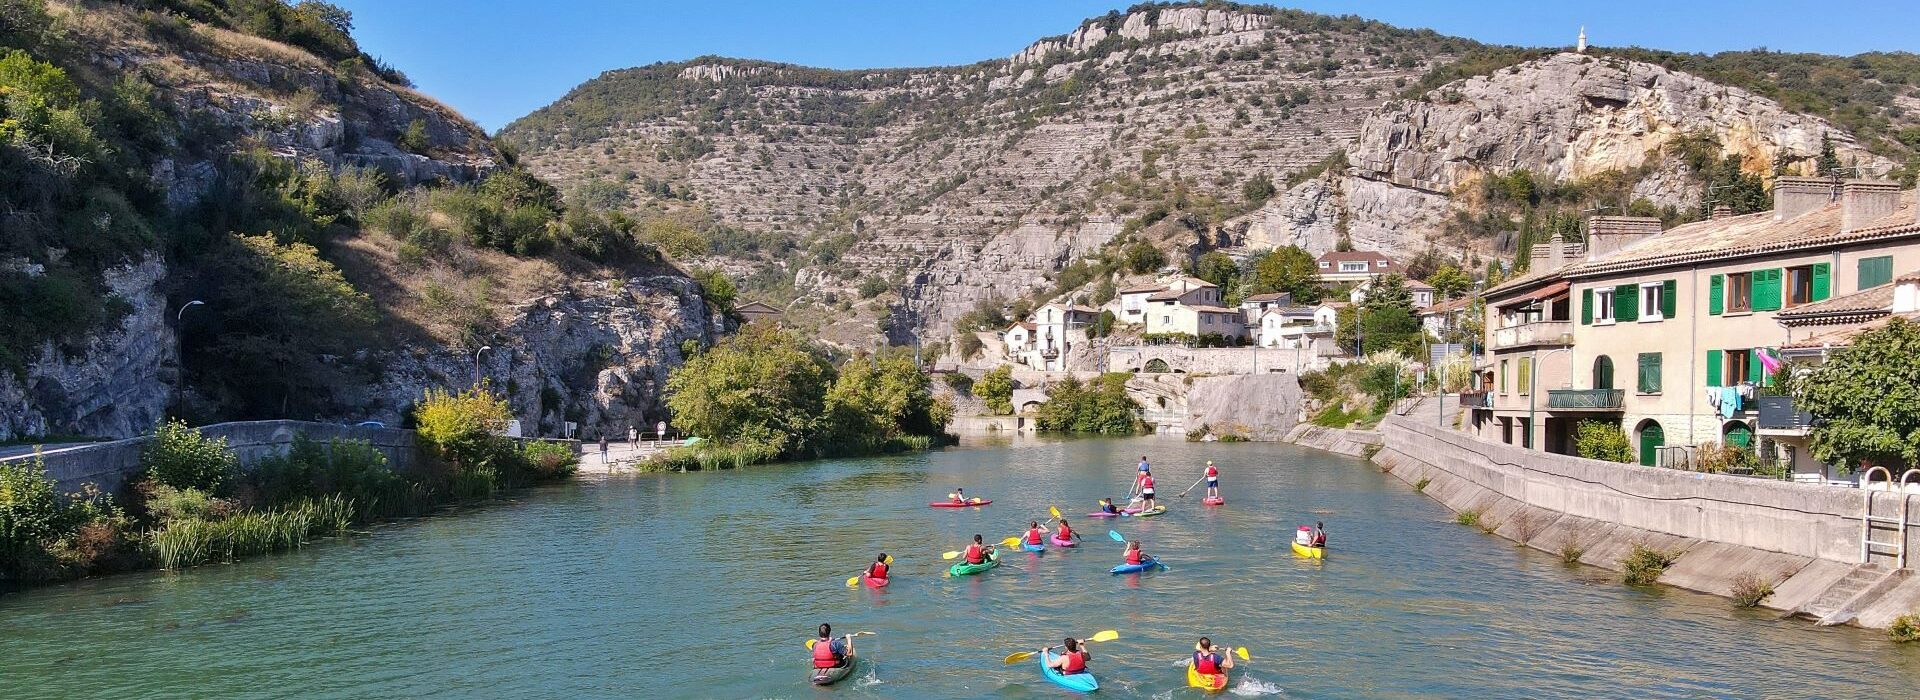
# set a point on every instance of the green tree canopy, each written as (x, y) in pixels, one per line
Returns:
(764, 386)
(1866, 399)
(996, 388)
(1218, 268)
(1101, 406)
(1289, 269)
(1449, 282)
(876, 399)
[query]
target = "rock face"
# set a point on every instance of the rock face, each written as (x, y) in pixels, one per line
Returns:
(119, 385)
(596, 354)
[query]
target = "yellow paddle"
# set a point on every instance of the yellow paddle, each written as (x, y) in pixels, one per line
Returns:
(1101, 636)
(812, 642)
(855, 581)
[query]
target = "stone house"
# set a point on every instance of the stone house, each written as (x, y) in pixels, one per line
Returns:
(1133, 302)
(756, 311)
(1667, 333)
(1196, 320)
(1353, 266)
(1057, 327)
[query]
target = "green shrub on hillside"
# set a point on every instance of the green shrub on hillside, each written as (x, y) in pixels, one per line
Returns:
(1101, 406)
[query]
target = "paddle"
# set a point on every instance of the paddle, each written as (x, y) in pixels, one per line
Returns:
(1116, 537)
(1101, 636)
(855, 581)
(849, 637)
(1196, 482)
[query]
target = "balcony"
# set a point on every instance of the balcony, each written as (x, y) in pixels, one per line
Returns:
(1475, 399)
(1778, 414)
(1585, 399)
(1531, 334)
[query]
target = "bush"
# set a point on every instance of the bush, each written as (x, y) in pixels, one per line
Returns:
(1601, 440)
(1101, 406)
(960, 383)
(1644, 565)
(549, 460)
(44, 536)
(1142, 258)
(1905, 628)
(1716, 458)
(996, 388)
(1570, 552)
(1467, 517)
(168, 503)
(461, 429)
(1749, 589)
(873, 286)
(180, 457)
(969, 345)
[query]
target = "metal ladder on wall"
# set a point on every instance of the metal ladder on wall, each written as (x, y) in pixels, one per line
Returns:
(1896, 548)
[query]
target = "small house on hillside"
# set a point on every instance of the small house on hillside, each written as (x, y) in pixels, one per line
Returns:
(1353, 266)
(755, 312)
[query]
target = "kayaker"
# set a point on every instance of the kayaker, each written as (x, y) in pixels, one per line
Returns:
(1213, 480)
(1035, 535)
(1135, 557)
(1319, 534)
(1208, 661)
(977, 552)
(958, 496)
(1146, 492)
(1066, 533)
(1073, 660)
(1106, 506)
(878, 569)
(829, 652)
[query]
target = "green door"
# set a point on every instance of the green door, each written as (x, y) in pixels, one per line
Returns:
(1739, 435)
(1651, 439)
(1603, 372)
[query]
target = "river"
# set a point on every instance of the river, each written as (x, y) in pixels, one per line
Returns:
(708, 584)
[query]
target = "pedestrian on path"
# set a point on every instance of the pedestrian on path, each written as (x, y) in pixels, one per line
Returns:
(603, 448)
(633, 437)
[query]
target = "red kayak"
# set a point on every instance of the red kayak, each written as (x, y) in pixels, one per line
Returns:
(951, 504)
(873, 582)
(1214, 500)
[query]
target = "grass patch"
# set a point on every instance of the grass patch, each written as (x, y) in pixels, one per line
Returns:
(1467, 517)
(1421, 485)
(190, 542)
(1749, 589)
(1570, 552)
(1644, 565)
(1905, 628)
(1488, 526)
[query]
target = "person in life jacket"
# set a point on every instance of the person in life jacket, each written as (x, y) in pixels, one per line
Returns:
(1146, 492)
(1135, 557)
(1213, 480)
(1035, 535)
(1319, 534)
(1144, 468)
(879, 569)
(1106, 506)
(1065, 534)
(1073, 659)
(1209, 661)
(829, 652)
(978, 551)
(958, 496)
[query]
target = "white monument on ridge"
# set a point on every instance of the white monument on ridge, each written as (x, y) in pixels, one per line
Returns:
(1582, 46)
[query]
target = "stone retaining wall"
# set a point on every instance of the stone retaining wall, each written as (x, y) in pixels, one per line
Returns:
(108, 464)
(1352, 443)
(1803, 538)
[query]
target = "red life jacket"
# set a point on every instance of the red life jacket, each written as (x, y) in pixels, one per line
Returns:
(1206, 664)
(1033, 536)
(976, 554)
(1146, 483)
(823, 656)
(1211, 472)
(1319, 539)
(1133, 556)
(1066, 533)
(878, 570)
(1076, 662)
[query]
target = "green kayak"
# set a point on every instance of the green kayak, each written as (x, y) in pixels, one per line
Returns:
(965, 569)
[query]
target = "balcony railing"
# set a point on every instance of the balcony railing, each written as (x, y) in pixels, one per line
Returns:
(1536, 333)
(1778, 413)
(1475, 399)
(1585, 399)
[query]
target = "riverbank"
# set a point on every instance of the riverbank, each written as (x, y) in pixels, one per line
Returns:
(1720, 532)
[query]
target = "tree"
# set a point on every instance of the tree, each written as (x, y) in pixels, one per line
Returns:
(996, 388)
(717, 287)
(1425, 264)
(1257, 190)
(1218, 268)
(1101, 406)
(1449, 282)
(414, 139)
(1289, 269)
(1596, 439)
(1141, 257)
(764, 388)
(877, 399)
(1866, 399)
(1828, 164)
(676, 239)
(1386, 318)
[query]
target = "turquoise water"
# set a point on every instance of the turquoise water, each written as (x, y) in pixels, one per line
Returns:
(707, 585)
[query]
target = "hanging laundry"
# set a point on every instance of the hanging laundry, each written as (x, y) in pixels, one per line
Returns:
(1729, 401)
(1713, 396)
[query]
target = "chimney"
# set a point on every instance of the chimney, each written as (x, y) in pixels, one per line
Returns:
(1721, 211)
(1607, 234)
(1793, 196)
(1863, 202)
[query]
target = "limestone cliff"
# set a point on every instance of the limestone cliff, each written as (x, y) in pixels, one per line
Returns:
(121, 382)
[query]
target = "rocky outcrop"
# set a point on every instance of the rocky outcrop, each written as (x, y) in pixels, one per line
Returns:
(118, 385)
(596, 354)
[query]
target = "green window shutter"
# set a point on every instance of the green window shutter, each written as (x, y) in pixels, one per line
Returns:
(1713, 368)
(1822, 281)
(1649, 382)
(1668, 305)
(1755, 371)
(1626, 302)
(1526, 375)
(1766, 289)
(1717, 294)
(1503, 376)
(1586, 307)
(1874, 272)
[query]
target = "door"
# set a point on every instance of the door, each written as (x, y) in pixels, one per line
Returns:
(1602, 372)
(1651, 440)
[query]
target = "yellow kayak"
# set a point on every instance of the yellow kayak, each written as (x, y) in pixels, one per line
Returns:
(1212, 682)
(1309, 552)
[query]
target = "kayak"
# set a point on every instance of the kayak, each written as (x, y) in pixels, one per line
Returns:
(1214, 500)
(968, 504)
(965, 569)
(1081, 682)
(1034, 547)
(873, 582)
(1057, 542)
(1149, 513)
(1309, 552)
(1136, 568)
(1103, 515)
(1210, 681)
(830, 676)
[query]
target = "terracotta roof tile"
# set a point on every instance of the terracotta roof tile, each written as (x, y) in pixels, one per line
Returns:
(1870, 299)
(1842, 336)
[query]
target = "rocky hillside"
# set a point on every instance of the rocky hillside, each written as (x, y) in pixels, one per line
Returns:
(898, 199)
(343, 233)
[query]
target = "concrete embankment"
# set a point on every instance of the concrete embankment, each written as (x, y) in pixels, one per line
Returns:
(1803, 539)
(108, 464)
(1352, 443)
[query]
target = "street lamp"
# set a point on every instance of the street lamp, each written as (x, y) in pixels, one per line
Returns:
(183, 308)
(1533, 389)
(476, 363)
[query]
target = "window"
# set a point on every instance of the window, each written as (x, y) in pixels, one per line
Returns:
(1353, 267)
(1603, 372)
(1166, 320)
(1739, 367)
(1323, 264)
(1799, 285)
(1740, 292)
(1649, 382)
(1526, 375)
(1503, 376)
(1603, 305)
(1875, 271)
(1652, 302)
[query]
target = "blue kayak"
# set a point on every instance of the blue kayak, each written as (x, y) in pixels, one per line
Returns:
(1034, 547)
(1136, 568)
(1082, 682)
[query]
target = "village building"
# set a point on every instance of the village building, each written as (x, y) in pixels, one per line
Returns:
(1353, 266)
(1813, 333)
(1290, 327)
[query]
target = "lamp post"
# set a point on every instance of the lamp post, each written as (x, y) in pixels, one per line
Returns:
(1533, 390)
(183, 308)
(476, 363)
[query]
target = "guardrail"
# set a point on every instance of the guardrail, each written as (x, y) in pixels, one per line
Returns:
(1536, 333)
(1589, 399)
(1778, 413)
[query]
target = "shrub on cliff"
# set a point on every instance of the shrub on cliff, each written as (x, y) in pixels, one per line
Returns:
(996, 388)
(180, 457)
(1602, 440)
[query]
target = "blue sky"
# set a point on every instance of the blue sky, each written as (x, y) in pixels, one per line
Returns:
(497, 60)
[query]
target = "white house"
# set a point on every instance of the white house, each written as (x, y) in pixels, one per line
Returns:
(1258, 304)
(1133, 302)
(1353, 266)
(1196, 320)
(1290, 327)
(1019, 338)
(1444, 316)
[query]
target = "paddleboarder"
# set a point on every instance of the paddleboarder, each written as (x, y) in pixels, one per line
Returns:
(1213, 480)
